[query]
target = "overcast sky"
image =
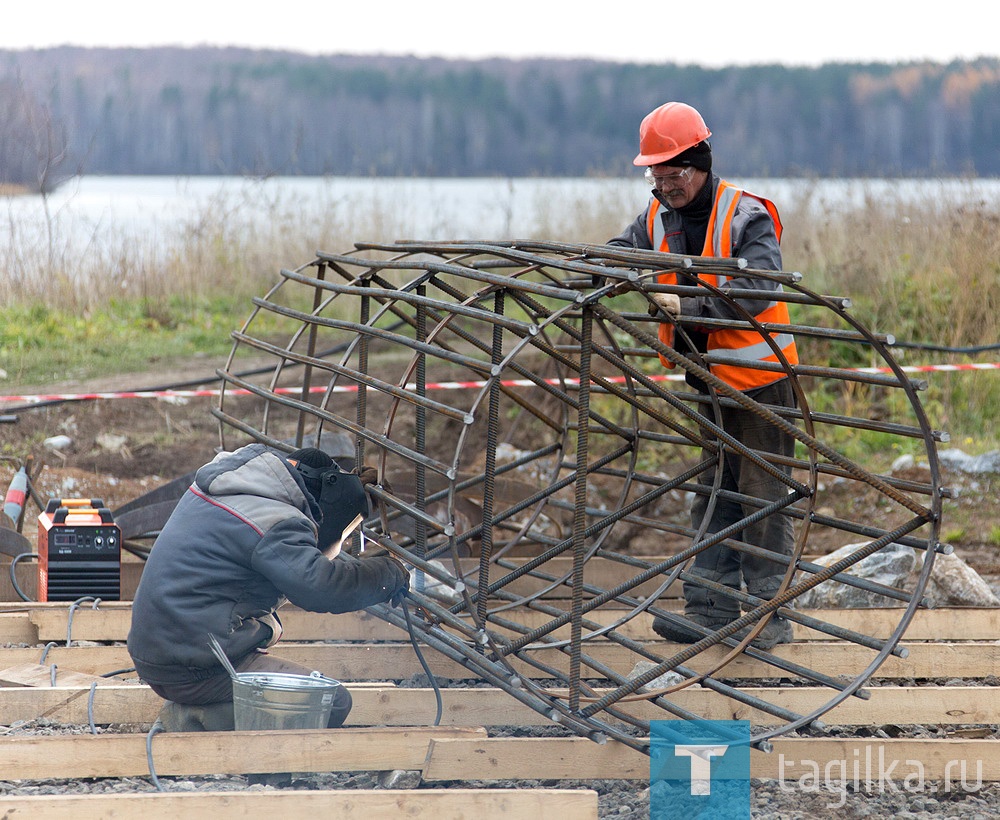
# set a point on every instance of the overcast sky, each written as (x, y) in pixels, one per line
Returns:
(723, 32)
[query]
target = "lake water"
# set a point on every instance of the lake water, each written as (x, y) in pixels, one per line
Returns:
(93, 212)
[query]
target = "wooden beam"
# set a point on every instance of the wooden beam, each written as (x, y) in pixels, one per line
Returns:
(393, 661)
(549, 758)
(111, 622)
(378, 705)
(939, 758)
(35, 674)
(114, 703)
(349, 804)
(599, 571)
(16, 627)
(581, 759)
(202, 753)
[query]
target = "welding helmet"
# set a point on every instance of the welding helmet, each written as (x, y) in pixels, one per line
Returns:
(340, 496)
(667, 131)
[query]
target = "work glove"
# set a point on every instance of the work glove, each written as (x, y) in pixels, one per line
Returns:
(669, 303)
(624, 286)
(393, 579)
(369, 475)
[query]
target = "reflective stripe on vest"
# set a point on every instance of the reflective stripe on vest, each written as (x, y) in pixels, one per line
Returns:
(744, 344)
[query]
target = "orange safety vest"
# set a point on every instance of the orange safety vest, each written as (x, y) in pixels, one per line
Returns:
(745, 344)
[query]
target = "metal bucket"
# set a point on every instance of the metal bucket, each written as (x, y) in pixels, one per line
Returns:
(270, 700)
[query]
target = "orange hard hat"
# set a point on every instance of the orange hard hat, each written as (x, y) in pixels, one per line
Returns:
(668, 131)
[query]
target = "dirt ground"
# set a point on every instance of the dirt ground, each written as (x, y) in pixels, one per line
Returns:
(113, 449)
(118, 449)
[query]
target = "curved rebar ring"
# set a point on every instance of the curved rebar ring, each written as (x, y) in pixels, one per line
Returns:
(536, 448)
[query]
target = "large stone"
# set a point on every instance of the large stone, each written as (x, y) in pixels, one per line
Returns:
(890, 566)
(953, 582)
(664, 681)
(956, 459)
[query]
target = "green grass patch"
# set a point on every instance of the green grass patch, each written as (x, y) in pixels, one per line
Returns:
(40, 344)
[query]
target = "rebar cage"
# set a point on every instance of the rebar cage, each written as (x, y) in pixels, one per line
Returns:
(536, 461)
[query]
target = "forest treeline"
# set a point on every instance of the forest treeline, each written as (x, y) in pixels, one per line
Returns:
(71, 110)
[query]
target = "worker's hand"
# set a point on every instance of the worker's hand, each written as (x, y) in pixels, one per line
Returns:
(369, 475)
(669, 303)
(625, 286)
(393, 578)
(403, 586)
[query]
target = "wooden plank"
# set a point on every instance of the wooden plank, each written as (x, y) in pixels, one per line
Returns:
(939, 758)
(393, 661)
(16, 627)
(202, 753)
(378, 705)
(579, 758)
(45, 623)
(112, 624)
(549, 758)
(35, 674)
(113, 703)
(598, 571)
(454, 754)
(26, 573)
(349, 804)
(103, 624)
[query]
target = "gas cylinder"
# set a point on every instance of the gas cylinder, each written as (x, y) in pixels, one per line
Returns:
(13, 503)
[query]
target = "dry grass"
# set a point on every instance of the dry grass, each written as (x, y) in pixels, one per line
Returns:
(924, 273)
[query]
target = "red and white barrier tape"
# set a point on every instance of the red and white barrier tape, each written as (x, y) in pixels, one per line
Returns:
(468, 385)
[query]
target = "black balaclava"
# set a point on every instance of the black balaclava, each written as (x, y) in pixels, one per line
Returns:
(340, 496)
(697, 156)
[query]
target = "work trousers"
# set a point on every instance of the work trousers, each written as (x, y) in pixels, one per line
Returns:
(720, 563)
(219, 688)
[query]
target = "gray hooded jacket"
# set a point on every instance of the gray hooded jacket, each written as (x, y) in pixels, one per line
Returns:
(240, 542)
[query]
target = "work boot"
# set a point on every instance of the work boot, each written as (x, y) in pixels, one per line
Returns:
(707, 607)
(182, 717)
(777, 630)
(676, 632)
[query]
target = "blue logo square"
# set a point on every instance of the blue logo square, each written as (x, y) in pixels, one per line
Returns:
(699, 770)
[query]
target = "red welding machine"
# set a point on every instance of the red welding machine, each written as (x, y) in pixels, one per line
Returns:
(79, 551)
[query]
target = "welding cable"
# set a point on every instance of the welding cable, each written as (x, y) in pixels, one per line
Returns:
(154, 730)
(13, 574)
(93, 689)
(423, 663)
(72, 608)
(90, 707)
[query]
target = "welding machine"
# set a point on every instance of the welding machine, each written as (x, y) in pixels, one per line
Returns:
(79, 551)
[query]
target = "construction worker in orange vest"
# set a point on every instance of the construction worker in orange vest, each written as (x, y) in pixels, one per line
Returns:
(694, 212)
